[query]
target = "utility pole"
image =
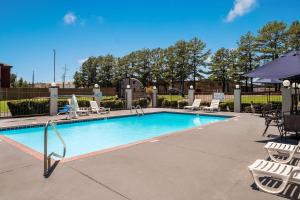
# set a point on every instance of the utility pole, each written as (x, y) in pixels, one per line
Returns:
(54, 65)
(33, 78)
(64, 75)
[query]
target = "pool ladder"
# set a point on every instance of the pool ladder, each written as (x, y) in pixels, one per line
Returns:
(138, 107)
(47, 158)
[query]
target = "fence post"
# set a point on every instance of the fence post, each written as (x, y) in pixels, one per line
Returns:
(191, 95)
(237, 99)
(53, 99)
(286, 99)
(128, 92)
(97, 94)
(154, 97)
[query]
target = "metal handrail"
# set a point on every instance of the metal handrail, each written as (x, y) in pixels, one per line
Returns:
(133, 108)
(47, 158)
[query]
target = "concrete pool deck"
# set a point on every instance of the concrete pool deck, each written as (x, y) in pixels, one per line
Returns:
(202, 163)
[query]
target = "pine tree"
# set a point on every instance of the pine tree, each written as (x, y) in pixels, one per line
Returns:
(293, 35)
(271, 40)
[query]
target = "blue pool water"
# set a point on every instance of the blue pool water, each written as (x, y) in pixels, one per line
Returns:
(90, 136)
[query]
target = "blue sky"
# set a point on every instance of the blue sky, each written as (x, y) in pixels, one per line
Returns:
(77, 29)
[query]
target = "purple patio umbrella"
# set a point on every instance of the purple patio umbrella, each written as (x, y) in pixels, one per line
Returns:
(287, 66)
(268, 81)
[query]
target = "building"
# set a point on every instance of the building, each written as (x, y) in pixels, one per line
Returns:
(58, 84)
(5, 75)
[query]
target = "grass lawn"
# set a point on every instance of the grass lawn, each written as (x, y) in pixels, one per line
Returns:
(261, 99)
(3, 106)
(172, 97)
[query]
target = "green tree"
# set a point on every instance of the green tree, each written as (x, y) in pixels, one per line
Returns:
(143, 66)
(293, 34)
(169, 70)
(182, 67)
(234, 68)
(13, 80)
(198, 56)
(126, 67)
(271, 40)
(22, 83)
(157, 69)
(220, 66)
(89, 72)
(78, 80)
(105, 70)
(248, 59)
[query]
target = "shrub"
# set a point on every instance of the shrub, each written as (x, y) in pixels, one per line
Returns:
(160, 101)
(224, 106)
(113, 104)
(105, 98)
(29, 107)
(182, 103)
(169, 104)
(143, 102)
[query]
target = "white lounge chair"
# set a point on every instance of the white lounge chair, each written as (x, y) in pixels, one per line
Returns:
(75, 109)
(282, 153)
(194, 106)
(281, 173)
(214, 105)
(99, 110)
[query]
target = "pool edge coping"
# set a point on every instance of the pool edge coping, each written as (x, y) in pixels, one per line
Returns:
(42, 124)
(39, 156)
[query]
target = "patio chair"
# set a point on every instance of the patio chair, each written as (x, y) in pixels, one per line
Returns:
(64, 110)
(278, 172)
(289, 124)
(194, 106)
(272, 116)
(282, 153)
(75, 109)
(99, 110)
(214, 105)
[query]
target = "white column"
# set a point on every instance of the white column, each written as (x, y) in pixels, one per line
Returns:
(128, 92)
(237, 100)
(53, 100)
(154, 98)
(97, 95)
(286, 99)
(191, 96)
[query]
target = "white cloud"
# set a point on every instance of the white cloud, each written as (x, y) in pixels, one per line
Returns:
(70, 18)
(240, 8)
(81, 61)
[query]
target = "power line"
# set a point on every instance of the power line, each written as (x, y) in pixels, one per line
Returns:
(64, 75)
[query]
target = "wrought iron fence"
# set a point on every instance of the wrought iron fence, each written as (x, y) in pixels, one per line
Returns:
(261, 97)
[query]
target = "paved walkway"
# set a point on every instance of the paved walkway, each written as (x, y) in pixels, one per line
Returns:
(206, 163)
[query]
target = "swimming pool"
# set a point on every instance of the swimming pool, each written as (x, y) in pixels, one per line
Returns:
(90, 136)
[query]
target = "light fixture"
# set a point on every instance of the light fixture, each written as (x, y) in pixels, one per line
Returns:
(53, 84)
(96, 85)
(237, 86)
(286, 83)
(154, 87)
(128, 86)
(191, 87)
(294, 85)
